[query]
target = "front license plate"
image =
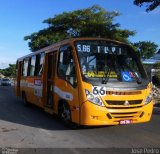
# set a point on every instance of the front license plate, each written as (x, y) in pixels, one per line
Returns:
(125, 122)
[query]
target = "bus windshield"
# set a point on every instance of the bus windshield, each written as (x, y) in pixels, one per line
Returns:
(108, 62)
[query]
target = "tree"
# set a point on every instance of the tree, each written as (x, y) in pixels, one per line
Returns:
(10, 71)
(145, 49)
(91, 22)
(152, 4)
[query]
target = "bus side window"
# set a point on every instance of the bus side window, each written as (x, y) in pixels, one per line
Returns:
(25, 67)
(32, 66)
(17, 68)
(39, 64)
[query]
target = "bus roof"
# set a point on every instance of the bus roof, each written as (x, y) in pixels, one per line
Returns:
(56, 45)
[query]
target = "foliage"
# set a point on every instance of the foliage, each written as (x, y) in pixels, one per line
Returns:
(90, 22)
(10, 71)
(145, 49)
(151, 4)
(156, 65)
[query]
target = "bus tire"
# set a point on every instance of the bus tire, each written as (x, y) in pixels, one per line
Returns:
(64, 114)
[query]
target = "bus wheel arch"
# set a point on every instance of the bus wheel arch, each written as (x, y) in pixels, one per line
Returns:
(64, 113)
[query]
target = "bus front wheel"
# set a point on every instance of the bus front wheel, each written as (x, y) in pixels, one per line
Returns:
(65, 115)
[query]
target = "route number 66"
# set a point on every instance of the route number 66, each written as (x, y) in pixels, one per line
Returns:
(99, 90)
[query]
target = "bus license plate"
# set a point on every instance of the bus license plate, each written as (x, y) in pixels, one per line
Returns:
(125, 122)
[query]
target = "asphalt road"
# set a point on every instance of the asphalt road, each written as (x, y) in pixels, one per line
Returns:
(30, 127)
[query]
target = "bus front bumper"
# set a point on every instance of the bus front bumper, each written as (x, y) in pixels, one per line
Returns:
(93, 115)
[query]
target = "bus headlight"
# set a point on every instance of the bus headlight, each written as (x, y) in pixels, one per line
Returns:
(93, 99)
(148, 99)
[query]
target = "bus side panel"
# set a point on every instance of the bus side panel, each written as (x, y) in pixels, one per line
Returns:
(32, 87)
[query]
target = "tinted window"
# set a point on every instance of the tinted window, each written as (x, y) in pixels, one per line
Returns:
(39, 64)
(66, 65)
(25, 67)
(32, 65)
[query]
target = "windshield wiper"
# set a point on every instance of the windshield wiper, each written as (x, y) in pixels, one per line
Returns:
(111, 67)
(106, 78)
(135, 74)
(137, 78)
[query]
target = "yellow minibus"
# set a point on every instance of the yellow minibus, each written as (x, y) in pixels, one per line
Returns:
(87, 81)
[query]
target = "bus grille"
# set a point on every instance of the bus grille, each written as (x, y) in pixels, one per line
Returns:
(131, 102)
(125, 107)
(125, 115)
(123, 92)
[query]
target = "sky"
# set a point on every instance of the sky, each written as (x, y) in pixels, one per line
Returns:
(19, 18)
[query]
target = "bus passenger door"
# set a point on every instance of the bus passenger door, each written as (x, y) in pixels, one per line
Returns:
(51, 64)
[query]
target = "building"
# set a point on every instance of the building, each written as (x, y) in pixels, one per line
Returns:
(150, 62)
(153, 60)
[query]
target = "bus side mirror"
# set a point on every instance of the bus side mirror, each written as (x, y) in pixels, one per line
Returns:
(155, 80)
